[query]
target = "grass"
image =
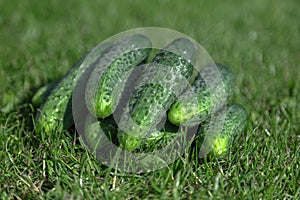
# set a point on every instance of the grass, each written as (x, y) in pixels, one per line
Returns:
(259, 40)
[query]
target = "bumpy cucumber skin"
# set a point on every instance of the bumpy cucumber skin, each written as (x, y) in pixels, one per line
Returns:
(56, 112)
(42, 94)
(235, 121)
(114, 77)
(157, 140)
(117, 62)
(92, 135)
(150, 100)
(198, 107)
(99, 133)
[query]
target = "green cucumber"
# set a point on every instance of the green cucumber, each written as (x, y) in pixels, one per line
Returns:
(108, 78)
(56, 112)
(150, 101)
(99, 133)
(42, 94)
(197, 106)
(157, 140)
(230, 123)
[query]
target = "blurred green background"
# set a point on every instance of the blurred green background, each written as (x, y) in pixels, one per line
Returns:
(259, 40)
(40, 41)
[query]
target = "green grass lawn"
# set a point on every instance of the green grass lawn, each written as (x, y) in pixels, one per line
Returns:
(259, 40)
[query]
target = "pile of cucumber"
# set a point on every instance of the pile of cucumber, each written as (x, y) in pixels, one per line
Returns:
(142, 103)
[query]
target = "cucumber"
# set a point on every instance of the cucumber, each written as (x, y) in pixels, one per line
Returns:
(108, 79)
(99, 133)
(42, 94)
(157, 140)
(233, 120)
(197, 106)
(56, 112)
(149, 101)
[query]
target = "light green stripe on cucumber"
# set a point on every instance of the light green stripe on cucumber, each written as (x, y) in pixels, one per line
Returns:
(110, 74)
(56, 112)
(149, 102)
(99, 133)
(215, 136)
(197, 106)
(42, 94)
(158, 140)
